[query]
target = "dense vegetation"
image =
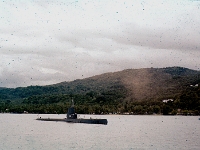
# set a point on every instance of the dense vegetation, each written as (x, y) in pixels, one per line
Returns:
(133, 91)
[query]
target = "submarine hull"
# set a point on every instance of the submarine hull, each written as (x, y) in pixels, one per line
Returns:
(88, 121)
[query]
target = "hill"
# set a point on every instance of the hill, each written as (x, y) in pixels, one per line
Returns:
(115, 89)
(138, 84)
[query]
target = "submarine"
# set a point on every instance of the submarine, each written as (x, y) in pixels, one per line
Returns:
(72, 118)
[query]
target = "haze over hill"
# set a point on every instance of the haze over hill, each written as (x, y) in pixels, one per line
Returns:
(139, 84)
(134, 84)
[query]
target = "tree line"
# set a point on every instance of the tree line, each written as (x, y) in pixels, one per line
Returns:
(110, 102)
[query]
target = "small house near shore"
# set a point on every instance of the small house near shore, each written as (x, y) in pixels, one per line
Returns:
(167, 100)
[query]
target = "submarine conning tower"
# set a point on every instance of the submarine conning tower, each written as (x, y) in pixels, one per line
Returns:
(71, 112)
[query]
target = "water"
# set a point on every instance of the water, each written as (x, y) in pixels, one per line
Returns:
(22, 131)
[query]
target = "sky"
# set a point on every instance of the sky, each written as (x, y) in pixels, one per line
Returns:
(45, 42)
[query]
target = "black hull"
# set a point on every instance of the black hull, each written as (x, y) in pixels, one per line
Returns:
(89, 121)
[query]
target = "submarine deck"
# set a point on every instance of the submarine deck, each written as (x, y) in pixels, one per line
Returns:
(80, 120)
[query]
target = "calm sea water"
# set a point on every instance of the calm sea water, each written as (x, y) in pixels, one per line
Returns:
(22, 131)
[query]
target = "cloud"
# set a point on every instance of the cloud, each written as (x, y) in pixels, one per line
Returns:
(46, 42)
(160, 38)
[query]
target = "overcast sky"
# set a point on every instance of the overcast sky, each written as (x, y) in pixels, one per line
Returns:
(45, 42)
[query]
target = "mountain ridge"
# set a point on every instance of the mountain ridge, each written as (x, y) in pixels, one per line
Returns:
(136, 84)
(140, 81)
(137, 91)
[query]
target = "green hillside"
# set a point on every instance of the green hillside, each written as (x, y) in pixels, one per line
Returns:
(135, 91)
